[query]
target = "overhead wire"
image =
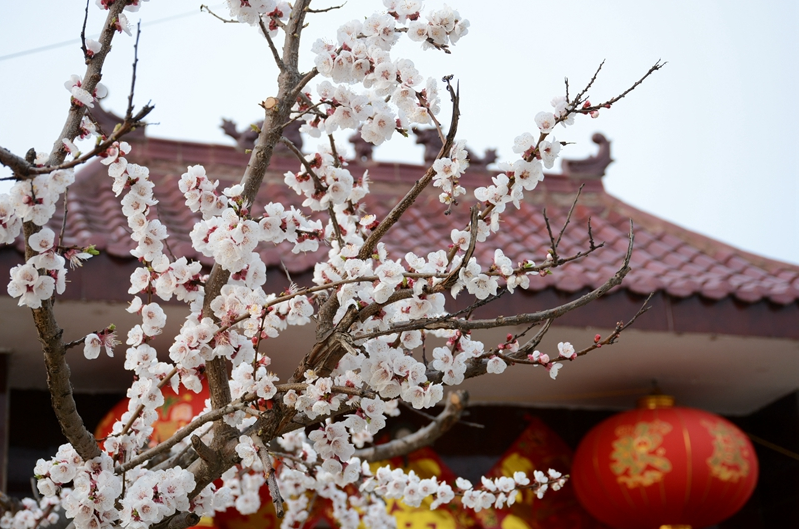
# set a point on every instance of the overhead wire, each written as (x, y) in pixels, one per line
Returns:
(55, 45)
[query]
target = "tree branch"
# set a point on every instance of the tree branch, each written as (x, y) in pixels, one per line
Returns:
(129, 112)
(50, 334)
(446, 322)
(271, 479)
(272, 48)
(408, 200)
(456, 404)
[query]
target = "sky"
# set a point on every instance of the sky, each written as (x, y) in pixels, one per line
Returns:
(710, 142)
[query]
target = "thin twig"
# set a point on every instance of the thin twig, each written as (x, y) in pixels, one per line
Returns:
(569, 216)
(275, 54)
(446, 322)
(620, 326)
(64, 220)
(336, 228)
(566, 81)
(449, 416)
(579, 98)
(410, 197)
(83, 33)
(207, 9)
(269, 471)
(319, 187)
(607, 104)
(591, 244)
(325, 10)
(553, 247)
(184, 432)
(26, 170)
(129, 112)
(535, 340)
(140, 409)
(433, 418)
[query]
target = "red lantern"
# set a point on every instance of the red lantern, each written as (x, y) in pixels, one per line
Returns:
(663, 465)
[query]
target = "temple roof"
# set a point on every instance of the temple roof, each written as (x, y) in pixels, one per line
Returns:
(667, 258)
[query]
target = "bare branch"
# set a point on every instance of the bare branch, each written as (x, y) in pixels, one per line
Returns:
(202, 449)
(607, 104)
(620, 326)
(456, 404)
(19, 165)
(275, 54)
(64, 219)
(27, 170)
(325, 10)
(535, 340)
(578, 99)
(9, 504)
(184, 520)
(207, 9)
(129, 112)
(83, 33)
(429, 417)
(271, 479)
(569, 216)
(319, 187)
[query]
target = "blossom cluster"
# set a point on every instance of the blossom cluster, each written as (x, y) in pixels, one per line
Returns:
(200, 192)
(448, 172)
(95, 487)
(253, 12)
(81, 96)
(35, 201)
(121, 21)
(302, 473)
(362, 55)
(396, 484)
(328, 185)
(33, 514)
(452, 359)
(154, 495)
(503, 491)
(443, 27)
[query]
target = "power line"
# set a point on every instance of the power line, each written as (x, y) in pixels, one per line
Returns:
(77, 41)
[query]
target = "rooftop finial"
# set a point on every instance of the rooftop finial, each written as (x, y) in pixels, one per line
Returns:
(593, 166)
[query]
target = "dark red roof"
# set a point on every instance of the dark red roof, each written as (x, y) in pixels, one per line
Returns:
(666, 258)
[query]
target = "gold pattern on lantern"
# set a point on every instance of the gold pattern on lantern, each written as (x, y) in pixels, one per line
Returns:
(728, 461)
(638, 460)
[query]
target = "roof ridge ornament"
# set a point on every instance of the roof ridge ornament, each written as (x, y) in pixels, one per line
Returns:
(432, 145)
(593, 167)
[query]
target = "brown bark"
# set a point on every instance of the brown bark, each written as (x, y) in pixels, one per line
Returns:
(50, 334)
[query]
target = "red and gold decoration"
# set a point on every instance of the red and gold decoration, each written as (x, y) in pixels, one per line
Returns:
(176, 412)
(664, 465)
(537, 448)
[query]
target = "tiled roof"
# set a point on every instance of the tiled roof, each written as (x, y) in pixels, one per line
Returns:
(666, 257)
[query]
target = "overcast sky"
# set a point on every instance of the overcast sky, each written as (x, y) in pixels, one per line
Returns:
(709, 143)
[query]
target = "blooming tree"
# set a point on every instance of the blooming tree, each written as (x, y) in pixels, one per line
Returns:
(372, 310)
